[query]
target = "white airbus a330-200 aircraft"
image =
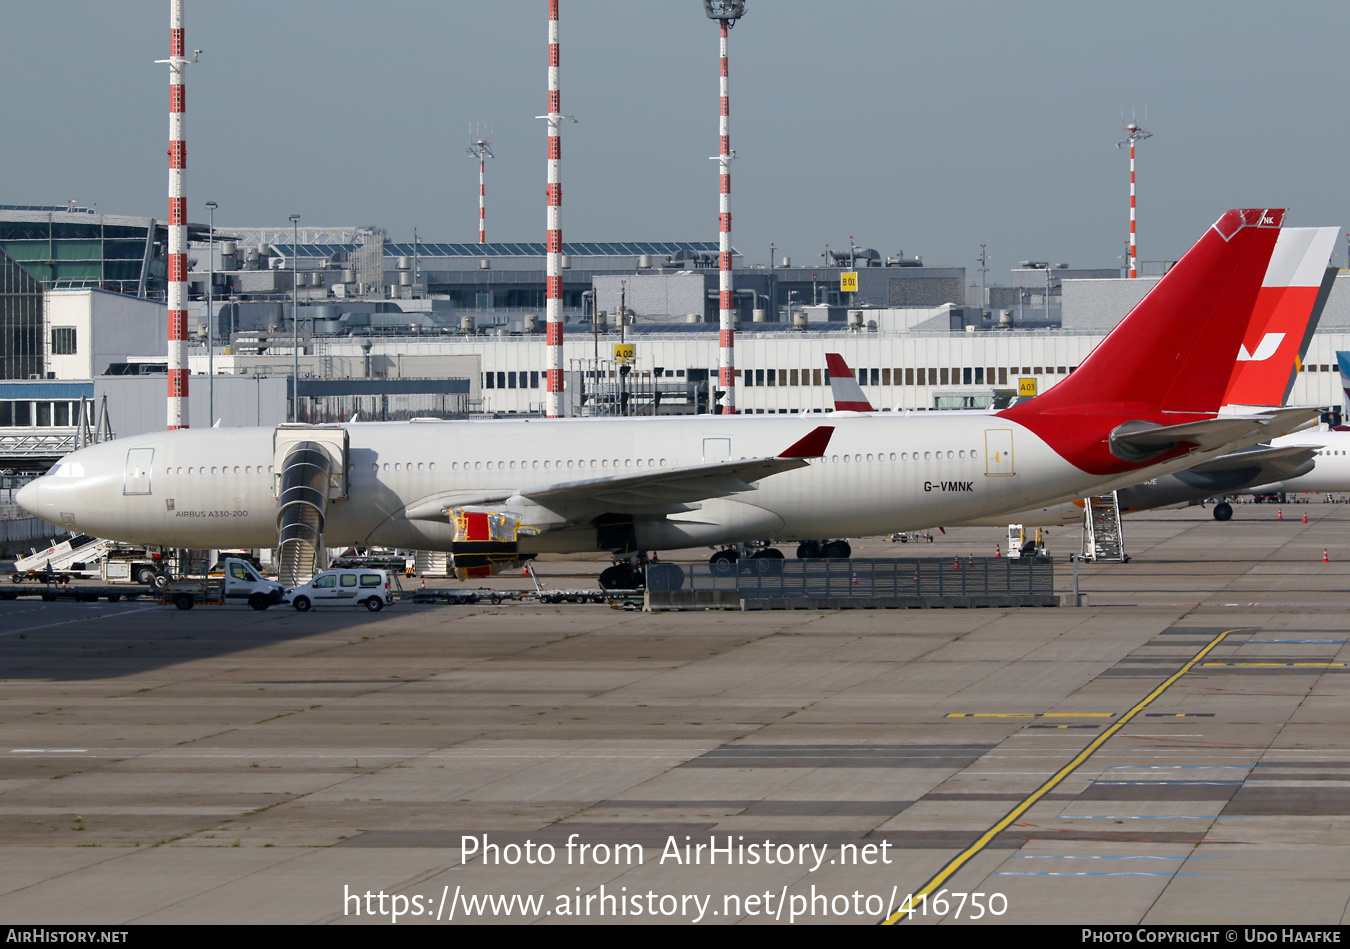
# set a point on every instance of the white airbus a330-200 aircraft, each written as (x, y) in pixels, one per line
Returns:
(494, 493)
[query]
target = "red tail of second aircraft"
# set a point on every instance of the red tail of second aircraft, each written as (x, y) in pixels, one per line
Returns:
(1288, 308)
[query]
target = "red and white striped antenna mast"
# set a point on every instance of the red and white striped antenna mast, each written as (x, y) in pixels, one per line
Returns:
(178, 288)
(553, 290)
(480, 147)
(726, 12)
(1137, 133)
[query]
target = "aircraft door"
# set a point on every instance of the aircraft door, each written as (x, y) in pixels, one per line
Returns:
(998, 453)
(137, 477)
(716, 449)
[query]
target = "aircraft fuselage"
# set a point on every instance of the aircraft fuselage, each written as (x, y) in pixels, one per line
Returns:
(880, 474)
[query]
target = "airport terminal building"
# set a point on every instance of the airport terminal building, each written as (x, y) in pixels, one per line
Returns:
(389, 331)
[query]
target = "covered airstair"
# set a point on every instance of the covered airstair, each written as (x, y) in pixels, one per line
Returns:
(311, 471)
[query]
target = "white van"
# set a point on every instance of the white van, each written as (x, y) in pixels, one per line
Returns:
(347, 587)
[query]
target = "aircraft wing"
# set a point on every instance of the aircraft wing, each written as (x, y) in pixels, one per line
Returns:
(664, 491)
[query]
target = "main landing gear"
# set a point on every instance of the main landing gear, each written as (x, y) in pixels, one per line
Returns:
(628, 575)
(732, 554)
(829, 550)
(1223, 511)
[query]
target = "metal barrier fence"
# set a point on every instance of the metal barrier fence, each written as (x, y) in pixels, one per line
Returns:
(13, 530)
(862, 578)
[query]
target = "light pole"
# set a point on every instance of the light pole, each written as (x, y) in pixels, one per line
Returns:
(211, 317)
(295, 319)
(984, 270)
(726, 13)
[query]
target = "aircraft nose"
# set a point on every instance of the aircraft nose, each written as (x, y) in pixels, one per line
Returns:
(28, 497)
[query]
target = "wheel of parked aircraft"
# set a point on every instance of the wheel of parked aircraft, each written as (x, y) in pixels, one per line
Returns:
(730, 555)
(838, 550)
(767, 553)
(1223, 511)
(619, 577)
(808, 550)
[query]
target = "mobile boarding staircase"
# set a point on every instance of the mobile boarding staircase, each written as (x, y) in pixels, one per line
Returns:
(1103, 540)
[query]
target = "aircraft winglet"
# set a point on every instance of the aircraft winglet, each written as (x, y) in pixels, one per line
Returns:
(812, 446)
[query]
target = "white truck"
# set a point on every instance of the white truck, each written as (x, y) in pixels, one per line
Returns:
(130, 564)
(239, 582)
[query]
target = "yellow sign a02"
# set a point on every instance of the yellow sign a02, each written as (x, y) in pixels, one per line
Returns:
(625, 354)
(848, 281)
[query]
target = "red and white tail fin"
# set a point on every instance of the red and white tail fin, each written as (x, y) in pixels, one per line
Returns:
(1288, 307)
(848, 395)
(1169, 361)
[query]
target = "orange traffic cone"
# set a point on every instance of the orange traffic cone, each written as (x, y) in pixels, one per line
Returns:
(1305, 517)
(998, 550)
(1279, 514)
(1324, 556)
(424, 584)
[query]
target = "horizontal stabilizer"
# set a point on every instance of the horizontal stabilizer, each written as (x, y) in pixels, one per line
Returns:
(1277, 461)
(1277, 422)
(1137, 441)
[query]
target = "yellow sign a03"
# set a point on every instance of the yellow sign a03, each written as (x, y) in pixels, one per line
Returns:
(1026, 385)
(625, 353)
(848, 281)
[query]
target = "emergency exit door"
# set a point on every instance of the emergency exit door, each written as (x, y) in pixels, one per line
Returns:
(998, 453)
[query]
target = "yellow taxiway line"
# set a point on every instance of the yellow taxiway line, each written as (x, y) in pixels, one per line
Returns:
(906, 909)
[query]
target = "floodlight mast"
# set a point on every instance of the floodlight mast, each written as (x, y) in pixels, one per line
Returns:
(481, 148)
(1137, 133)
(726, 12)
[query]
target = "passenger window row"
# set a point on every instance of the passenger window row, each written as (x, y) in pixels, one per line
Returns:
(903, 456)
(536, 464)
(219, 470)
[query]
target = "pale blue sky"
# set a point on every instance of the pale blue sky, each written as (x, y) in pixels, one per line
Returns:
(925, 127)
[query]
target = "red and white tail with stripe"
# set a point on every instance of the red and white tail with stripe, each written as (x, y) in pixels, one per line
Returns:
(848, 395)
(1288, 307)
